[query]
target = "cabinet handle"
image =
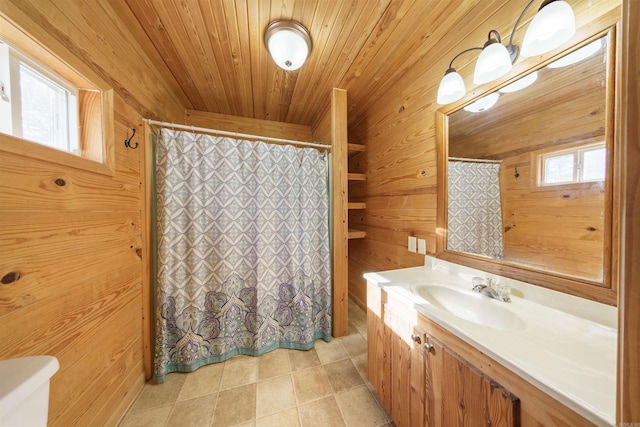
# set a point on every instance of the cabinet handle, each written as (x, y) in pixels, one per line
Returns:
(416, 338)
(428, 347)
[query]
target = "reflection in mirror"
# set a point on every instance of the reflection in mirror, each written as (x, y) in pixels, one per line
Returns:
(527, 170)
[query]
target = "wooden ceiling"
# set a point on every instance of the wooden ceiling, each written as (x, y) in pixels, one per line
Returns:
(215, 50)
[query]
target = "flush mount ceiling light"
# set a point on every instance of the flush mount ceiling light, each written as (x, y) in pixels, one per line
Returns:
(553, 25)
(288, 43)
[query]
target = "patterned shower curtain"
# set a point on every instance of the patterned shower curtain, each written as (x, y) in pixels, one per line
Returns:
(242, 247)
(475, 209)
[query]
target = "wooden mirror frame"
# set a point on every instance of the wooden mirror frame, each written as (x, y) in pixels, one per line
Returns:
(605, 291)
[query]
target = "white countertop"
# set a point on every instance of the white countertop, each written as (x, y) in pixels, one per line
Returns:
(567, 347)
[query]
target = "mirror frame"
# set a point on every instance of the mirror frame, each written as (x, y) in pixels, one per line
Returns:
(605, 291)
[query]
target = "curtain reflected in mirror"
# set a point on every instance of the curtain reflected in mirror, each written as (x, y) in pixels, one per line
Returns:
(475, 211)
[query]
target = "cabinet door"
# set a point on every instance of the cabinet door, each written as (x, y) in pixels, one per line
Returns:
(401, 346)
(417, 380)
(407, 370)
(378, 346)
(472, 399)
(433, 368)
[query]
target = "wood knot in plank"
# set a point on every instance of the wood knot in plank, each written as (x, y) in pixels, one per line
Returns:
(60, 182)
(591, 228)
(139, 252)
(10, 277)
(566, 196)
(401, 109)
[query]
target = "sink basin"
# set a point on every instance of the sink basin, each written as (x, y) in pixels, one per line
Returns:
(471, 306)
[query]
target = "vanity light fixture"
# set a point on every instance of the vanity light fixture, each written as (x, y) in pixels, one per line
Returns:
(553, 25)
(288, 43)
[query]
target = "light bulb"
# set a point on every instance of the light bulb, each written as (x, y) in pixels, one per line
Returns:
(451, 87)
(552, 26)
(494, 62)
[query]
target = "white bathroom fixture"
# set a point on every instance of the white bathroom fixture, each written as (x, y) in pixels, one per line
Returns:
(24, 390)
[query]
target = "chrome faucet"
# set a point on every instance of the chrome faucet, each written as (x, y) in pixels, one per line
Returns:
(488, 290)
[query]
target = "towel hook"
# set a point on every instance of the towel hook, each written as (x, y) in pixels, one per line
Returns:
(127, 142)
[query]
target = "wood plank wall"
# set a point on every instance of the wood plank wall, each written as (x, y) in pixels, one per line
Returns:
(398, 130)
(78, 247)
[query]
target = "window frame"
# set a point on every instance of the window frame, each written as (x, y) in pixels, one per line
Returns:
(578, 162)
(95, 98)
(16, 60)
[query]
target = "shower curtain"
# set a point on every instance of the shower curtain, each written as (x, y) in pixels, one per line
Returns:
(475, 209)
(242, 249)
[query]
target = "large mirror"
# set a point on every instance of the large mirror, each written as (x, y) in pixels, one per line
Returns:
(528, 174)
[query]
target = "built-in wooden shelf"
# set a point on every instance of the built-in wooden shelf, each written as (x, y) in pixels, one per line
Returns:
(356, 205)
(355, 148)
(356, 234)
(356, 176)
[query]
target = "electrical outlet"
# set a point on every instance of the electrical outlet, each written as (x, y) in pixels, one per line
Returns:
(412, 244)
(422, 246)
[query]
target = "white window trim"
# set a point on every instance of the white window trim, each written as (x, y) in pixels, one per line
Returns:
(14, 59)
(578, 158)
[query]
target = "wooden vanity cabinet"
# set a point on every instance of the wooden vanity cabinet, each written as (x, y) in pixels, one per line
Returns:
(420, 381)
(426, 376)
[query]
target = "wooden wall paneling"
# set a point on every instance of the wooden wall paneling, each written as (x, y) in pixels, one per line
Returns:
(107, 339)
(340, 242)
(267, 128)
(46, 247)
(628, 408)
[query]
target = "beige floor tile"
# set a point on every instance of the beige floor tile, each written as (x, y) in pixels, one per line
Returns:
(311, 384)
(203, 381)
(359, 408)
(147, 418)
(196, 412)
(303, 359)
(235, 406)
(360, 362)
(354, 344)
(343, 375)
(288, 418)
(330, 351)
(239, 371)
(321, 413)
(273, 364)
(274, 395)
(154, 395)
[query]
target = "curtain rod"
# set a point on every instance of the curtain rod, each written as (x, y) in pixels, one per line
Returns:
(462, 159)
(236, 134)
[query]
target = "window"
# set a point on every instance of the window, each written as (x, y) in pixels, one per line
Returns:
(53, 107)
(586, 164)
(37, 105)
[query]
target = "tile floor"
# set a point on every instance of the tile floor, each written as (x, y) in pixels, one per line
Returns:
(326, 386)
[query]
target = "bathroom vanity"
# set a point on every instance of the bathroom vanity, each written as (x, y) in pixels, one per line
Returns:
(441, 354)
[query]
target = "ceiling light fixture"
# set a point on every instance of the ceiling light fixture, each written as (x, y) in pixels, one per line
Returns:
(288, 43)
(553, 25)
